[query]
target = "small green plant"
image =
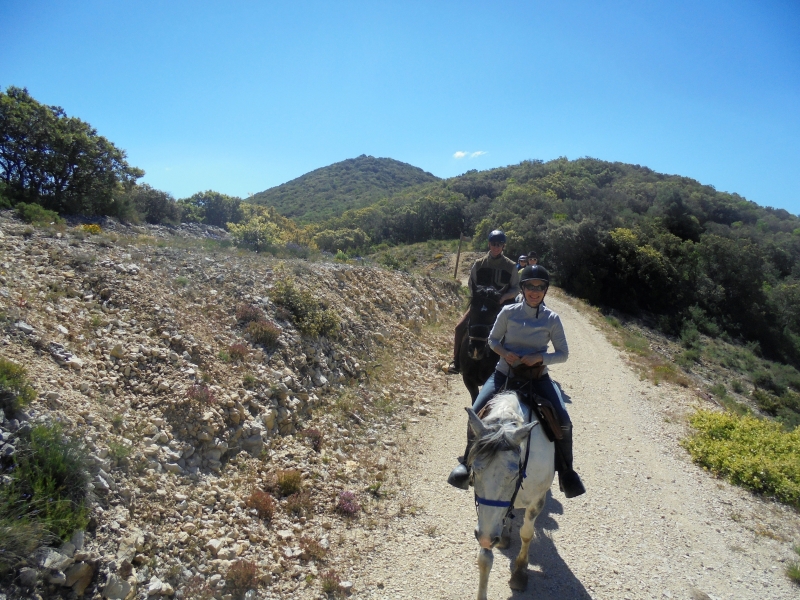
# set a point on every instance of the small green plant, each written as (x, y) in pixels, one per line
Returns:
(181, 281)
(737, 386)
(15, 391)
(793, 570)
(18, 538)
(224, 356)
(241, 578)
(263, 503)
(375, 489)
(48, 482)
(724, 443)
(431, 530)
(263, 332)
(119, 451)
(347, 504)
(299, 503)
(289, 481)
(37, 214)
(249, 380)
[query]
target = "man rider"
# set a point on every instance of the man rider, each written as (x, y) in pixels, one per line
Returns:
(496, 270)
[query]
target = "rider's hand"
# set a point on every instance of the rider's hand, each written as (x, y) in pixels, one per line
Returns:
(511, 358)
(532, 360)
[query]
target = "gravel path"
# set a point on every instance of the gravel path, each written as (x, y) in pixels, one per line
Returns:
(652, 524)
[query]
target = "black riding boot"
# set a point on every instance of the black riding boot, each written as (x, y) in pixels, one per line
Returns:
(568, 480)
(459, 477)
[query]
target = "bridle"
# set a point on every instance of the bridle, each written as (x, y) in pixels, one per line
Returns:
(522, 474)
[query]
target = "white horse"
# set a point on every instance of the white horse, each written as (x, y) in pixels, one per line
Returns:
(512, 467)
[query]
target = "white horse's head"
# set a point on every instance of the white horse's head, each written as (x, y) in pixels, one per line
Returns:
(496, 460)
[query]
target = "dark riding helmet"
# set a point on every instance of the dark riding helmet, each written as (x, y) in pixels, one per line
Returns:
(534, 272)
(497, 236)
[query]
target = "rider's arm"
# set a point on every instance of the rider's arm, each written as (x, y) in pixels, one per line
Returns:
(497, 334)
(560, 351)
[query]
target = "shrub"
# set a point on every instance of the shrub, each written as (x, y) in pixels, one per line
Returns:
(241, 577)
(18, 538)
(754, 453)
(198, 589)
(299, 503)
(309, 317)
(37, 214)
(15, 392)
(347, 504)
(312, 549)
(91, 228)
(263, 332)
(314, 436)
(201, 393)
(263, 503)
(48, 482)
(249, 380)
(238, 352)
(289, 481)
(245, 313)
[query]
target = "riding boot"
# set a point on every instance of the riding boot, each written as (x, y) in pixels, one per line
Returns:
(568, 480)
(459, 477)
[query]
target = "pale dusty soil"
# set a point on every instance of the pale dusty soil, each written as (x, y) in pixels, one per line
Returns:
(652, 524)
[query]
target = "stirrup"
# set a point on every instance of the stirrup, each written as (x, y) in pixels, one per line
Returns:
(459, 477)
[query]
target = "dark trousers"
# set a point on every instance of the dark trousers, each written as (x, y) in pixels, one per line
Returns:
(543, 386)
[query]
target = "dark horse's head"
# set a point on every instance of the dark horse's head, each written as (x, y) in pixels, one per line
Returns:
(483, 309)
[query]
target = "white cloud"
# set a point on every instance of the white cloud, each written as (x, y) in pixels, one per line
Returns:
(460, 154)
(478, 153)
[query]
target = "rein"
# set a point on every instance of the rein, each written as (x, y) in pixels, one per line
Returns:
(523, 473)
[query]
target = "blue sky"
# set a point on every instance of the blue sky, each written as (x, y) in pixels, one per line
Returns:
(242, 96)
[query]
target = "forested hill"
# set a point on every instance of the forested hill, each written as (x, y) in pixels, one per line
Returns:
(620, 235)
(351, 183)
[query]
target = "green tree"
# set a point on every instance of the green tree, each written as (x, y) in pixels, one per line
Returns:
(58, 161)
(212, 208)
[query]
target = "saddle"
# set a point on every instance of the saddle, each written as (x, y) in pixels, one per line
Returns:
(519, 381)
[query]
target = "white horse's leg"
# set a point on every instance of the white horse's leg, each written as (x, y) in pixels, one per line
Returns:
(485, 560)
(519, 578)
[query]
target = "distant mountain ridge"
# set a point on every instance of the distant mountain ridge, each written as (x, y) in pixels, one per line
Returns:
(351, 183)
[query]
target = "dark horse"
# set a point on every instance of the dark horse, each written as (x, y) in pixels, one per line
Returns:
(477, 359)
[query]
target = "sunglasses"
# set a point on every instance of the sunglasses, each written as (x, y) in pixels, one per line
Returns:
(535, 288)
(495, 244)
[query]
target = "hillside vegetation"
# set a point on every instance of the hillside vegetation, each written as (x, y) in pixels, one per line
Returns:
(349, 184)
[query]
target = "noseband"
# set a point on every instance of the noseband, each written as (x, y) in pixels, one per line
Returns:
(522, 474)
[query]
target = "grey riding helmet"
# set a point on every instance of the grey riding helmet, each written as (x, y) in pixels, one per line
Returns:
(497, 236)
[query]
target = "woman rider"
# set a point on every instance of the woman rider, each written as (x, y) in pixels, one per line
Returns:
(520, 336)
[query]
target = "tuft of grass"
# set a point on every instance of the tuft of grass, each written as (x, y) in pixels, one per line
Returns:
(263, 503)
(18, 538)
(241, 577)
(249, 380)
(724, 443)
(238, 352)
(289, 481)
(181, 281)
(793, 570)
(331, 582)
(15, 391)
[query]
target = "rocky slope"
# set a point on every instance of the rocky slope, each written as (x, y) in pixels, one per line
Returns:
(132, 341)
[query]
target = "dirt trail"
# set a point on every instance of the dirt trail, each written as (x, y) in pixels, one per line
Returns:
(652, 524)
